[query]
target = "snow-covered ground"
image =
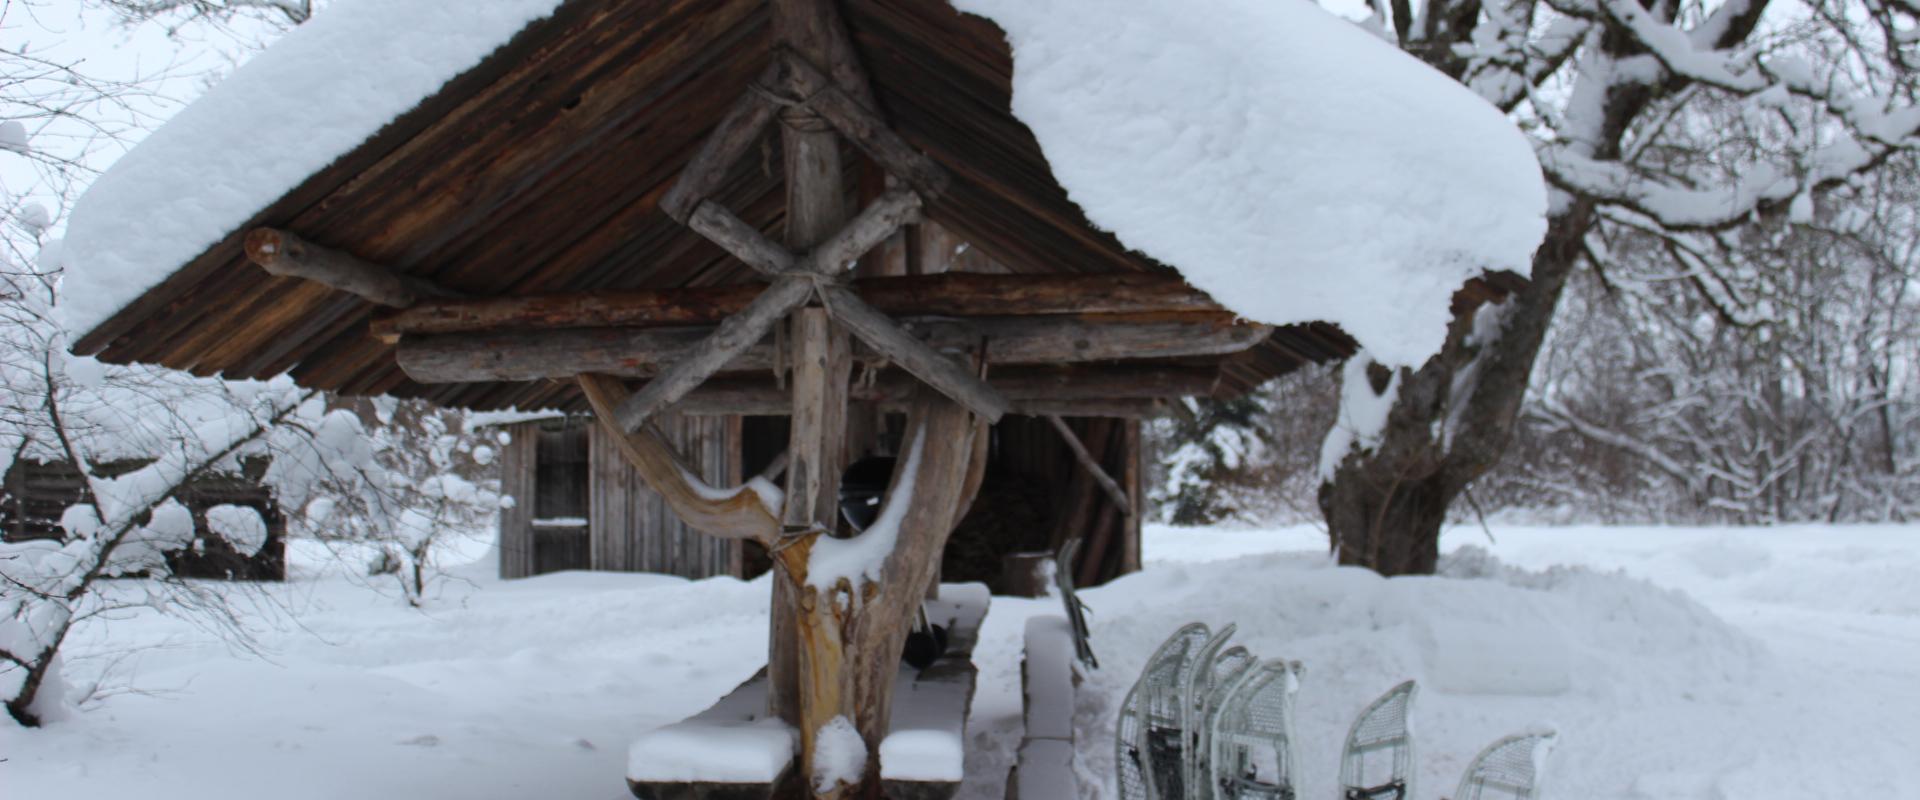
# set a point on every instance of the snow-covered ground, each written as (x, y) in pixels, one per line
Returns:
(1676, 663)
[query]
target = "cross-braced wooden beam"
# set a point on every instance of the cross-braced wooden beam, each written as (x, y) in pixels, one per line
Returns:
(734, 336)
(737, 131)
(797, 276)
(863, 127)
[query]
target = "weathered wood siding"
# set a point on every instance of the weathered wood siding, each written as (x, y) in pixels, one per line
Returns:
(517, 471)
(631, 528)
(36, 493)
(1036, 496)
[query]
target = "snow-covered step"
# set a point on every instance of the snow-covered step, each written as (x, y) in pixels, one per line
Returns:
(1044, 765)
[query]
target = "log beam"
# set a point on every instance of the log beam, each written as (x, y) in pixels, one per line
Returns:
(640, 352)
(1085, 391)
(855, 119)
(733, 337)
(876, 222)
(953, 294)
(742, 514)
(898, 345)
(737, 131)
(1093, 468)
(744, 241)
(286, 254)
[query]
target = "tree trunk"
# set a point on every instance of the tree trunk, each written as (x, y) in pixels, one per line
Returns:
(1451, 419)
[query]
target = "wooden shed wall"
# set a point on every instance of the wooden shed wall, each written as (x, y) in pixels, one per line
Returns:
(632, 529)
(627, 526)
(1036, 496)
(36, 493)
(517, 481)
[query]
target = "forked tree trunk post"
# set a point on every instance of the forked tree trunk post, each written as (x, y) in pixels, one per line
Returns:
(849, 629)
(805, 664)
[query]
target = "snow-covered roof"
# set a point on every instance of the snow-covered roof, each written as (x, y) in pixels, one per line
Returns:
(312, 97)
(1285, 161)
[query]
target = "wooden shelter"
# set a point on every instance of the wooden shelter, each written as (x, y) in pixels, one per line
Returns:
(660, 211)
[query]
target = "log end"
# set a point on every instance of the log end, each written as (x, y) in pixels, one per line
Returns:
(266, 246)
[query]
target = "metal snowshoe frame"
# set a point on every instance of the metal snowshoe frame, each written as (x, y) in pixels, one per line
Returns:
(1508, 769)
(1252, 736)
(1377, 763)
(1149, 744)
(1229, 667)
(1063, 562)
(1200, 685)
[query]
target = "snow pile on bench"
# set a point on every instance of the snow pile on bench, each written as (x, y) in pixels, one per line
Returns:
(732, 742)
(926, 739)
(1286, 162)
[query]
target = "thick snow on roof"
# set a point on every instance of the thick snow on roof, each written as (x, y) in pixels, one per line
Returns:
(1285, 161)
(289, 112)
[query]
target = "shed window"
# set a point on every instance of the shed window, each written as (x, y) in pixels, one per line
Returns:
(560, 472)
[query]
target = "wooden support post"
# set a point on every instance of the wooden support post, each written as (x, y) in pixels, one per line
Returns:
(850, 628)
(816, 209)
(821, 370)
(1119, 496)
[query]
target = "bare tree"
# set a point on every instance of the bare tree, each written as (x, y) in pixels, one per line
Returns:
(1618, 95)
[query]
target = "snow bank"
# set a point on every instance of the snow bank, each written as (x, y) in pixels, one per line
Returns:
(295, 108)
(1495, 649)
(1285, 161)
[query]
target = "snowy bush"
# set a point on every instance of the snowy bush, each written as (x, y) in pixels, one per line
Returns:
(398, 477)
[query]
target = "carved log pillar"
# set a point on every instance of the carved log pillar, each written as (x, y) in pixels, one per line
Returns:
(850, 623)
(804, 667)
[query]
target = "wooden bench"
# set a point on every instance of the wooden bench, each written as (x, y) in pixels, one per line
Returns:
(734, 751)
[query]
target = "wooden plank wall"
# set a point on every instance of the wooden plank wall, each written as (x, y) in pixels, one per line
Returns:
(517, 470)
(1111, 540)
(36, 493)
(632, 530)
